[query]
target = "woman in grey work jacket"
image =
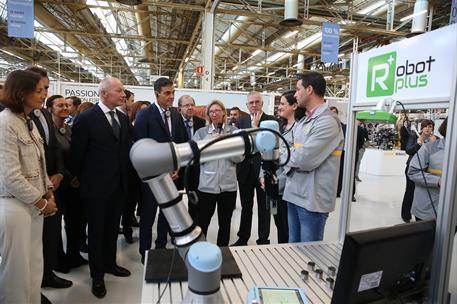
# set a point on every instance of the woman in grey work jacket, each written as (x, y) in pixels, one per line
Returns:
(218, 181)
(425, 171)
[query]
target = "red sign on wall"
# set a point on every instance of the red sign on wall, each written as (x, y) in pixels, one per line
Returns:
(199, 70)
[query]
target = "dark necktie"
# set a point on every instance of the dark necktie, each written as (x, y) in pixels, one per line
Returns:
(167, 127)
(115, 125)
(189, 129)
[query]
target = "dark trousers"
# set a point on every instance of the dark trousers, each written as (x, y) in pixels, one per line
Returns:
(147, 217)
(281, 222)
(247, 202)
(52, 229)
(340, 177)
(103, 215)
(75, 222)
(225, 205)
(407, 198)
(133, 197)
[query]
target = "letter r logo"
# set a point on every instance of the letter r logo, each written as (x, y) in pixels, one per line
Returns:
(381, 75)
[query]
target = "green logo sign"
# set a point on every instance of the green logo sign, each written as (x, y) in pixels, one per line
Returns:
(386, 76)
(381, 75)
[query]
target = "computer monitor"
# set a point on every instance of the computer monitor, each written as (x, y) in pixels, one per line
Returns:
(384, 263)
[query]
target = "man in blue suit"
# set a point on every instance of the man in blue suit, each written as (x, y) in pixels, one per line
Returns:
(100, 149)
(163, 124)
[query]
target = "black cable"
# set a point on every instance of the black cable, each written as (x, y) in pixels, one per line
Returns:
(169, 274)
(426, 185)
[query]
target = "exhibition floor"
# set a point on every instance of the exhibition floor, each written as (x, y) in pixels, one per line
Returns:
(378, 204)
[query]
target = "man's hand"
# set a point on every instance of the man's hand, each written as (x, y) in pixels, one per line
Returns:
(262, 183)
(55, 180)
(174, 175)
(256, 120)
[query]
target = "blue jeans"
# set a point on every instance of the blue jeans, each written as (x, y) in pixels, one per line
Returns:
(304, 225)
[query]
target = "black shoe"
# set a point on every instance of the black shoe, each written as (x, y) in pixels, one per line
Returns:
(142, 259)
(240, 242)
(77, 262)
(406, 220)
(118, 271)
(98, 288)
(62, 267)
(135, 222)
(56, 282)
(128, 238)
(45, 300)
(353, 199)
(263, 242)
(84, 248)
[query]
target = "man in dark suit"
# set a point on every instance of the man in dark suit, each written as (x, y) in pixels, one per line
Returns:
(52, 226)
(248, 179)
(163, 124)
(186, 106)
(100, 149)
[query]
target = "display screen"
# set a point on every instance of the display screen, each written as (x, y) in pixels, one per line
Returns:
(280, 296)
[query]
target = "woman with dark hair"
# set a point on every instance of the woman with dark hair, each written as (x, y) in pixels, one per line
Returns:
(425, 171)
(68, 190)
(136, 107)
(25, 190)
(289, 113)
(415, 142)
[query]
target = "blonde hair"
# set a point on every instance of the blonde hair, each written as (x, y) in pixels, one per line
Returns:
(220, 104)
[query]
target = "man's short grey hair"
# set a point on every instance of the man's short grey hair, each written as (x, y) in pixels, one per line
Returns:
(255, 93)
(182, 98)
(105, 84)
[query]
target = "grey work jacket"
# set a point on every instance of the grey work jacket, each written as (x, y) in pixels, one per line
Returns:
(312, 172)
(430, 159)
(219, 175)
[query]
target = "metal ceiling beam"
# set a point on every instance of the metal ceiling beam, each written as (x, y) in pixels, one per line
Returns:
(265, 49)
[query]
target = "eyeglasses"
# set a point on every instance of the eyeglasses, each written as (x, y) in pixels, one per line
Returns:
(214, 112)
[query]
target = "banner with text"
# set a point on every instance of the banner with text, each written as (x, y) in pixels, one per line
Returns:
(330, 42)
(20, 17)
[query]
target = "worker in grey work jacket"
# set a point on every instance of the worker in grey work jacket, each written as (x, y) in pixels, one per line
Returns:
(425, 171)
(217, 185)
(312, 172)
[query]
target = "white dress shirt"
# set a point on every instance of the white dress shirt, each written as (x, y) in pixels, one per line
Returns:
(107, 111)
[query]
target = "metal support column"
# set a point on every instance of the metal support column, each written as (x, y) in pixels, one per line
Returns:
(349, 150)
(447, 209)
(181, 78)
(208, 51)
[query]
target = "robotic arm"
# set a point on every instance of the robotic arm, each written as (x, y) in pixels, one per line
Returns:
(153, 161)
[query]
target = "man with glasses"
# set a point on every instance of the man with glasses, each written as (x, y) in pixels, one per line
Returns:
(164, 124)
(248, 179)
(186, 106)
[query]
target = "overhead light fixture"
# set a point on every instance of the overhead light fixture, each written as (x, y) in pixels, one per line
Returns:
(256, 52)
(186, 60)
(372, 8)
(288, 35)
(235, 68)
(413, 15)
(291, 14)
(272, 73)
(11, 54)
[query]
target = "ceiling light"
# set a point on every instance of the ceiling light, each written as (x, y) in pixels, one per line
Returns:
(413, 15)
(290, 34)
(186, 60)
(235, 68)
(256, 52)
(11, 54)
(269, 74)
